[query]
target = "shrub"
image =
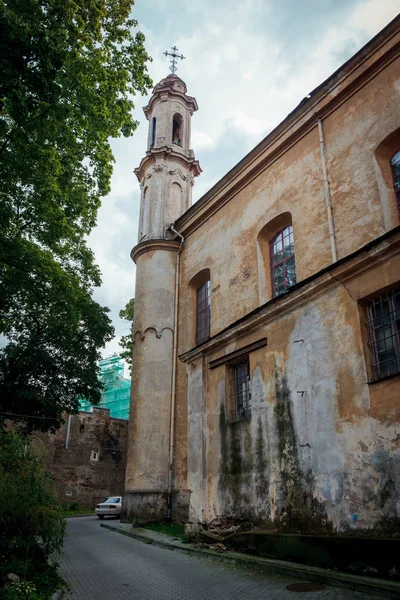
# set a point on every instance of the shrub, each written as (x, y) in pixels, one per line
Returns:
(29, 513)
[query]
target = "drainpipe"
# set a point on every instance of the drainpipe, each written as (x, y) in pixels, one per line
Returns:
(173, 386)
(327, 191)
(68, 430)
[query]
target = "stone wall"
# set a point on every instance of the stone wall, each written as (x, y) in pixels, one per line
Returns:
(92, 467)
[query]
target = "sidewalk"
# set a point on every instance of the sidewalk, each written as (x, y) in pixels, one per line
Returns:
(367, 585)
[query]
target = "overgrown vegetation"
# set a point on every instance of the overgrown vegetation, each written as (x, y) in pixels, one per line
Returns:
(29, 512)
(177, 531)
(126, 341)
(74, 509)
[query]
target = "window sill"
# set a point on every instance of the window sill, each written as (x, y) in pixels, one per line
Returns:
(373, 381)
(246, 417)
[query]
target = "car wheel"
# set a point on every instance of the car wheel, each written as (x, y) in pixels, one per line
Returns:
(101, 516)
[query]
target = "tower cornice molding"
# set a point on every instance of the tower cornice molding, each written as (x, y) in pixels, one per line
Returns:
(167, 152)
(163, 94)
(156, 244)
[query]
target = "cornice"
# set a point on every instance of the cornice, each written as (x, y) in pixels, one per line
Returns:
(334, 275)
(168, 152)
(325, 99)
(156, 244)
(163, 94)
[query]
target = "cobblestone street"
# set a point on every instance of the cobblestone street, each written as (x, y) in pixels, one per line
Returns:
(102, 565)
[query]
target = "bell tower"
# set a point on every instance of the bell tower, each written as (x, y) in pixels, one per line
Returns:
(166, 176)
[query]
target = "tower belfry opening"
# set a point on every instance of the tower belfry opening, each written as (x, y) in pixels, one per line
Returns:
(176, 130)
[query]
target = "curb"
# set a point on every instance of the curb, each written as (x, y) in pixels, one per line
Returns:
(58, 595)
(356, 583)
(79, 516)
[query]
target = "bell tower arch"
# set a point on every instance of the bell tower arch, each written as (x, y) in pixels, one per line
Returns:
(166, 176)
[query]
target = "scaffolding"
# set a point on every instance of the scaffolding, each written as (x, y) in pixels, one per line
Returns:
(116, 394)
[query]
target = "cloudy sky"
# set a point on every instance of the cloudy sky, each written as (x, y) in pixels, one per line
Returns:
(248, 63)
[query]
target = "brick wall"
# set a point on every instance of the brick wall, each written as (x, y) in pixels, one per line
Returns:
(92, 467)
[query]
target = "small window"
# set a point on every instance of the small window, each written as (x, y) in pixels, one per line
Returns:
(283, 266)
(153, 132)
(384, 331)
(395, 165)
(240, 394)
(94, 455)
(203, 310)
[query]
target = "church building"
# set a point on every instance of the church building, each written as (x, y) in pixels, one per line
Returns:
(266, 367)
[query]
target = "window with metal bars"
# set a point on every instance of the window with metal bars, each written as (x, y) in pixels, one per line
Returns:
(240, 396)
(203, 310)
(283, 265)
(384, 331)
(395, 165)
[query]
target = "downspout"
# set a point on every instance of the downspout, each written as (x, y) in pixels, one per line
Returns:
(327, 191)
(173, 385)
(68, 430)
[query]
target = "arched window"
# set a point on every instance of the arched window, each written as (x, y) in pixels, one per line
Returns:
(283, 266)
(153, 132)
(177, 129)
(395, 165)
(203, 310)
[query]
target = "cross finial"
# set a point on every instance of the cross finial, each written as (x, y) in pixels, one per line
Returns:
(174, 55)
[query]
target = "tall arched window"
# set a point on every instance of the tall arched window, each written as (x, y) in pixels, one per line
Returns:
(203, 309)
(283, 265)
(395, 164)
(153, 132)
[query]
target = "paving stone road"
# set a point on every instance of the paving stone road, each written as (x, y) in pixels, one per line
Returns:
(103, 565)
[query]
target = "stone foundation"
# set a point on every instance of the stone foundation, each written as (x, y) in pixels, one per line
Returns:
(143, 505)
(180, 506)
(139, 506)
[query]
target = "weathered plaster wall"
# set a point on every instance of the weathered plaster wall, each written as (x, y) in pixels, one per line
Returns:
(313, 456)
(321, 449)
(152, 371)
(93, 466)
(227, 242)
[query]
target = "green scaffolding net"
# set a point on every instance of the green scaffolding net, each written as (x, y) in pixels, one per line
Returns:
(116, 395)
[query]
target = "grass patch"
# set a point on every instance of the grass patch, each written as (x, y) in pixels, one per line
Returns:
(176, 531)
(75, 510)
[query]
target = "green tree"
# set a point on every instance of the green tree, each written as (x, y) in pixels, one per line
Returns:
(126, 341)
(68, 74)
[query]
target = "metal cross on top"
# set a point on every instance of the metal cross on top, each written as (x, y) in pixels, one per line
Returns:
(174, 55)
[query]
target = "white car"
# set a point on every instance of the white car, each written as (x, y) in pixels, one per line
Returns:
(111, 506)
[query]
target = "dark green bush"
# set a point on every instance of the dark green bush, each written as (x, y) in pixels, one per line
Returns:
(29, 514)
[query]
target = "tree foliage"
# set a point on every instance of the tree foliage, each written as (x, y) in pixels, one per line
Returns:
(126, 341)
(68, 74)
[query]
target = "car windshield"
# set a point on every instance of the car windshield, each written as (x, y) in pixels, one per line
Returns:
(115, 500)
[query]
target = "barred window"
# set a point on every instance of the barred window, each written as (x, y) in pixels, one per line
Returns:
(203, 312)
(283, 266)
(384, 330)
(395, 164)
(240, 390)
